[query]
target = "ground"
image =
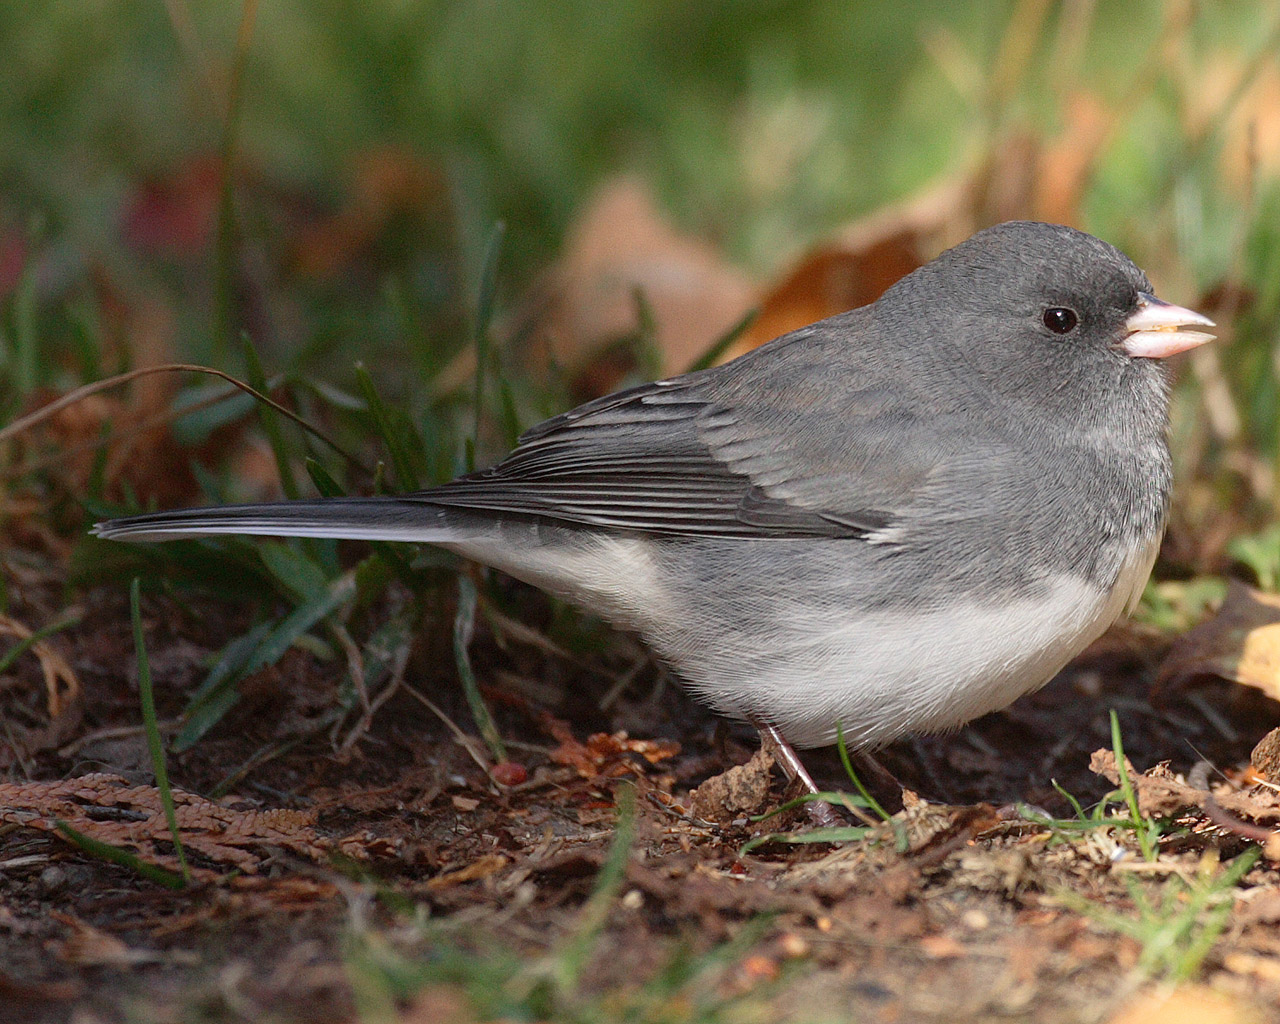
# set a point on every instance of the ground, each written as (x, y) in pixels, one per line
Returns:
(381, 872)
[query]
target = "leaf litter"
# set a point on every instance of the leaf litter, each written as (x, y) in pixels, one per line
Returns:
(963, 920)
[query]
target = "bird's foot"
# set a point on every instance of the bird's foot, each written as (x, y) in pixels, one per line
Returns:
(820, 812)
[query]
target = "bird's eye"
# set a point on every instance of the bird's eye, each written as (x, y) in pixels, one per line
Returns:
(1060, 320)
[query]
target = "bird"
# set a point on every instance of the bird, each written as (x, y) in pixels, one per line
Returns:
(891, 521)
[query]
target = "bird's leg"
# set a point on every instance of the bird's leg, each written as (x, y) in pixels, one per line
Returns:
(820, 812)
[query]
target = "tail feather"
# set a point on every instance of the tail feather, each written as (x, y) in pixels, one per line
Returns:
(380, 518)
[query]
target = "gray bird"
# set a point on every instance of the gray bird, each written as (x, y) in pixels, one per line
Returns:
(894, 520)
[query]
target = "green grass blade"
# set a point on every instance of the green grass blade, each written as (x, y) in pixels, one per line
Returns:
(486, 298)
(324, 483)
(268, 418)
(215, 699)
(847, 762)
(154, 744)
(295, 572)
(570, 960)
(115, 855)
(721, 345)
(226, 237)
(25, 357)
(394, 430)
(833, 797)
(485, 304)
(463, 626)
(835, 834)
(1140, 829)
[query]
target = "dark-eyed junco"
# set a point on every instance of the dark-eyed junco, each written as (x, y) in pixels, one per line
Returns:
(896, 519)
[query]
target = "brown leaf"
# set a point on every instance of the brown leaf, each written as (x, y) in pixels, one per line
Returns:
(14, 256)
(106, 808)
(490, 864)
(87, 946)
(175, 214)
(605, 753)
(436, 1004)
(858, 265)
(142, 457)
(622, 242)
(1265, 757)
(23, 992)
(392, 191)
(941, 947)
(1240, 643)
(1161, 793)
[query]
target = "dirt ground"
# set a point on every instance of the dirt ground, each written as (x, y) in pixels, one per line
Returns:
(380, 872)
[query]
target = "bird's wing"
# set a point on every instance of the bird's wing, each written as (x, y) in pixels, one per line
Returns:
(729, 452)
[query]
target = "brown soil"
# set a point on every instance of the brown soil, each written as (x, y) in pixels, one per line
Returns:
(976, 914)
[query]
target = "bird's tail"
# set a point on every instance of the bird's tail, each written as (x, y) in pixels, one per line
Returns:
(379, 518)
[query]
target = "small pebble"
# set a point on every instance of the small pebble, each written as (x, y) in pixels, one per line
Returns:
(53, 878)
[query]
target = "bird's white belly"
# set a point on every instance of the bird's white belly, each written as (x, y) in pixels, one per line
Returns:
(779, 659)
(884, 673)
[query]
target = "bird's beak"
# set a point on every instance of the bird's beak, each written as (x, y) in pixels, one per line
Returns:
(1155, 329)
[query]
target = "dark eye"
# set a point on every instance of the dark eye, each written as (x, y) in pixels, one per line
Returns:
(1060, 320)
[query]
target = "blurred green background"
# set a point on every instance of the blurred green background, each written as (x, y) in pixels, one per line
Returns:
(325, 176)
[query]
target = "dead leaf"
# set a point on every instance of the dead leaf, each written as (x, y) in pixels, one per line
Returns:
(87, 946)
(1265, 758)
(490, 864)
(757, 967)
(107, 808)
(438, 1003)
(1262, 968)
(858, 265)
(15, 253)
(1160, 793)
(623, 242)
(175, 214)
(621, 252)
(1163, 794)
(142, 458)
(941, 947)
(22, 992)
(509, 773)
(1262, 909)
(604, 753)
(1240, 643)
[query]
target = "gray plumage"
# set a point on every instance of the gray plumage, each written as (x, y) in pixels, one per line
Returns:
(895, 519)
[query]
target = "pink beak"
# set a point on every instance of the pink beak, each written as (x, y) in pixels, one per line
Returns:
(1155, 330)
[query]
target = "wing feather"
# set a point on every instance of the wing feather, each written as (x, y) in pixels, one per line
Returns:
(741, 450)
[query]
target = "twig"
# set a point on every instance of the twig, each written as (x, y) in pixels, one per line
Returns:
(1224, 819)
(86, 390)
